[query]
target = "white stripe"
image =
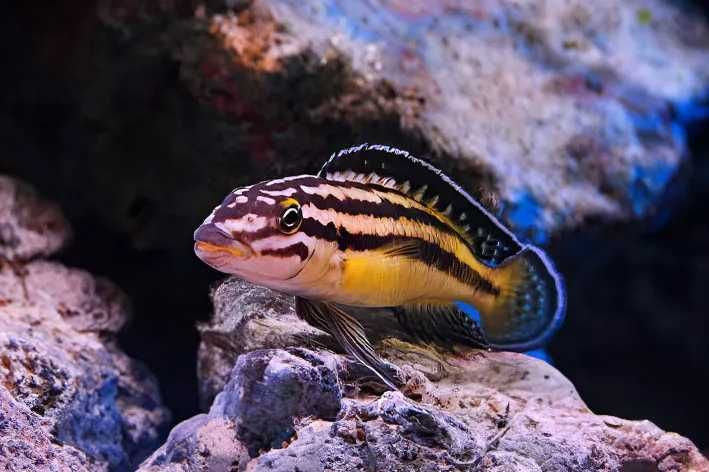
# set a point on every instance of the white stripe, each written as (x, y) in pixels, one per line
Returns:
(279, 241)
(372, 178)
(246, 224)
(380, 226)
(280, 193)
(325, 190)
(237, 200)
(350, 176)
(435, 170)
(285, 179)
(266, 200)
(241, 190)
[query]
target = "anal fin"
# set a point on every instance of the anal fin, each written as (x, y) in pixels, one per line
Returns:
(442, 324)
(347, 330)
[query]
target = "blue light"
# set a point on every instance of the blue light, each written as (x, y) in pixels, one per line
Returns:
(688, 111)
(473, 313)
(540, 354)
(524, 214)
(470, 311)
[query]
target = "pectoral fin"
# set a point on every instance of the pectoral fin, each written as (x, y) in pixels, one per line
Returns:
(347, 330)
(441, 324)
(407, 248)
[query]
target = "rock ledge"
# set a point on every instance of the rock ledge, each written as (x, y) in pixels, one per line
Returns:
(69, 398)
(282, 408)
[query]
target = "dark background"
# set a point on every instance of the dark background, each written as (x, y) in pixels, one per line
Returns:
(123, 156)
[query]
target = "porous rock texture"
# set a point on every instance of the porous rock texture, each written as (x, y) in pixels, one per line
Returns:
(557, 105)
(29, 225)
(69, 398)
(562, 109)
(287, 408)
(139, 117)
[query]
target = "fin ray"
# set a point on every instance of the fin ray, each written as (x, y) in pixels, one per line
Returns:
(396, 169)
(531, 306)
(442, 324)
(347, 330)
(407, 248)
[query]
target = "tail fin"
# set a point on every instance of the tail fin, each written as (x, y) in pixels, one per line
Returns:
(531, 305)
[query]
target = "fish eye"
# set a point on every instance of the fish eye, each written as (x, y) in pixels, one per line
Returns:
(290, 219)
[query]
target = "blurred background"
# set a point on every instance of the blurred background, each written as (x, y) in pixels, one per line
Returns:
(586, 129)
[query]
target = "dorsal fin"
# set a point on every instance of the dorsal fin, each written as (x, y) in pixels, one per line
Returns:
(396, 169)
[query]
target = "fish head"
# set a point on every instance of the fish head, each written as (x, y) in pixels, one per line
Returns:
(256, 234)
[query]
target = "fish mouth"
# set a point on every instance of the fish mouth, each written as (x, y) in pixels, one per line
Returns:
(240, 251)
(212, 245)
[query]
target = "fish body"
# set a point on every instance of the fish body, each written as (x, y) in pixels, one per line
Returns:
(378, 228)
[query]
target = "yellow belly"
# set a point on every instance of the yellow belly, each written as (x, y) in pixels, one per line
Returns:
(374, 281)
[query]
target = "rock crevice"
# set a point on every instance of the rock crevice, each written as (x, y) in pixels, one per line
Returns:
(70, 399)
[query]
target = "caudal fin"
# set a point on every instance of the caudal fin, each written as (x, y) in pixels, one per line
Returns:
(531, 304)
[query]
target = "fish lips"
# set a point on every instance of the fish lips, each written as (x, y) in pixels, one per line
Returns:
(218, 248)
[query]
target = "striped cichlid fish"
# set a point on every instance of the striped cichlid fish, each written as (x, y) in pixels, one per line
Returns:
(379, 228)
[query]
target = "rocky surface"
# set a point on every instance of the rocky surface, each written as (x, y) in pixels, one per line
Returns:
(562, 110)
(558, 106)
(138, 116)
(27, 443)
(242, 322)
(292, 408)
(29, 225)
(69, 398)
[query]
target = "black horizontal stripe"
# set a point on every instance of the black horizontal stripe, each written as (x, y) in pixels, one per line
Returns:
(349, 206)
(400, 166)
(298, 249)
(261, 208)
(429, 253)
(261, 233)
(383, 209)
(313, 227)
(352, 206)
